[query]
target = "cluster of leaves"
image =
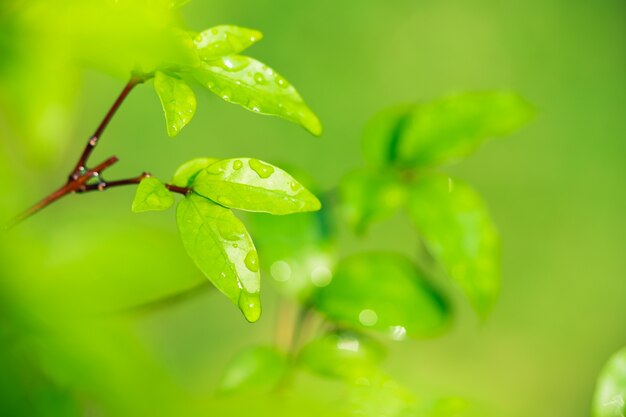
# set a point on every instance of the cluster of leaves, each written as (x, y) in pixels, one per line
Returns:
(382, 293)
(214, 63)
(213, 236)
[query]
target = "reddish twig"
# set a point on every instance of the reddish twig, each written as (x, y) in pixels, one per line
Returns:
(81, 175)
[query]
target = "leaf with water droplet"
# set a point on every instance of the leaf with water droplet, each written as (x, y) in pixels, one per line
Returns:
(451, 128)
(383, 292)
(219, 243)
(252, 185)
(368, 196)
(610, 396)
(459, 233)
(152, 195)
(177, 99)
(382, 134)
(346, 355)
(224, 40)
(185, 174)
(238, 80)
(259, 368)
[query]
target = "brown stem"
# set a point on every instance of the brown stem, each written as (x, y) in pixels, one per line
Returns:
(93, 140)
(131, 181)
(75, 185)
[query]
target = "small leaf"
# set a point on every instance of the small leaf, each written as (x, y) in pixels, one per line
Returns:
(178, 101)
(252, 185)
(256, 87)
(610, 396)
(370, 196)
(152, 195)
(186, 173)
(258, 368)
(451, 128)
(382, 134)
(224, 40)
(383, 292)
(222, 249)
(457, 230)
(344, 355)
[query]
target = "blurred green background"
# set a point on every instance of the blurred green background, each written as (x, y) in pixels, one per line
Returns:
(556, 190)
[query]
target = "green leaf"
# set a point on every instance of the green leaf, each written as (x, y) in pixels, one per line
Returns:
(224, 40)
(177, 99)
(152, 195)
(186, 173)
(610, 396)
(257, 368)
(256, 87)
(451, 128)
(222, 249)
(252, 185)
(459, 233)
(382, 134)
(370, 196)
(383, 292)
(344, 355)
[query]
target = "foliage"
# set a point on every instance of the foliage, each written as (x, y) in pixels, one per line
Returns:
(344, 304)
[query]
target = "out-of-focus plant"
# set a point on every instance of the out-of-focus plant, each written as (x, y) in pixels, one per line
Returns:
(345, 304)
(610, 396)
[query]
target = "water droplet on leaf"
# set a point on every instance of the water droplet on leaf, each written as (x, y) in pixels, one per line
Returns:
(250, 305)
(252, 261)
(262, 170)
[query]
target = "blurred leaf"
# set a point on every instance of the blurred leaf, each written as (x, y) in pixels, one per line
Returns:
(610, 395)
(186, 173)
(344, 355)
(222, 249)
(383, 292)
(224, 40)
(451, 128)
(177, 99)
(382, 134)
(152, 195)
(370, 196)
(256, 87)
(257, 368)
(457, 230)
(381, 396)
(252, 185)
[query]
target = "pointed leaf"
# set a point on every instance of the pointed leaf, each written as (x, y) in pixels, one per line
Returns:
(259, 368)
(344, 355)
(152, 195)
(382, 134)
(610, 396)
(186, 173)
(458, 232)
(370, 196)
(222, 249)
(177, 99)
(224, 40)
(451, 128)
(383, 292)
(253, 185)
(254, 86)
